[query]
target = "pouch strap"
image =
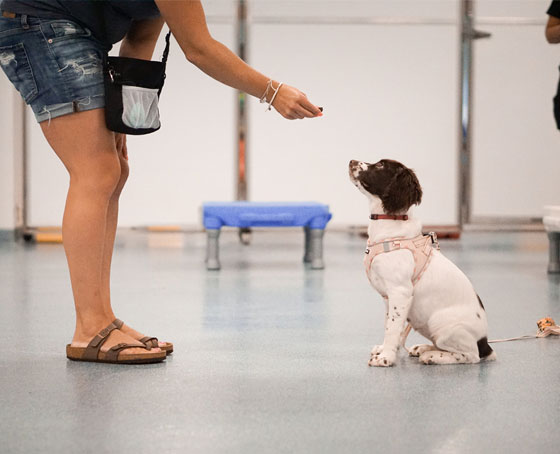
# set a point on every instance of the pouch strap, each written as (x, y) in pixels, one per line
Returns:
(166, 50)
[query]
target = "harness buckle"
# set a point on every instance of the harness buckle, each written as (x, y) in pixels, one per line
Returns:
(435, 243)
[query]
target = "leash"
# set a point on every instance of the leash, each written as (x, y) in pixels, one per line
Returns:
(545, 327)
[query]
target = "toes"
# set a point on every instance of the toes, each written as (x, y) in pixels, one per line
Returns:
(380, 361)
(428, 358)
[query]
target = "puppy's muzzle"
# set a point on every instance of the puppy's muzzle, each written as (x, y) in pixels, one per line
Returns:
(354, 169)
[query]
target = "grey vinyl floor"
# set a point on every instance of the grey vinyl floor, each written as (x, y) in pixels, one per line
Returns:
(271, 357)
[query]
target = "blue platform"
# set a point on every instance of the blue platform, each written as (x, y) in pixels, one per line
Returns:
(266, 214)
(312, 216)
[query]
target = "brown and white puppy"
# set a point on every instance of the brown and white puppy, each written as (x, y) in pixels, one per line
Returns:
(442, 304)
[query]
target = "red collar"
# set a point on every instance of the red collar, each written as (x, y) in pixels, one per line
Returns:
(394, 217)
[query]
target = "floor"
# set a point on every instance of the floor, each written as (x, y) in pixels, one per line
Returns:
(272, 357)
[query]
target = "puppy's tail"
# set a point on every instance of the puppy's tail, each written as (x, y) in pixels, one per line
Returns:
(485, 351)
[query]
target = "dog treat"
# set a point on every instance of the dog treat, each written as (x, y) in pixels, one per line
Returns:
(321, 109)
(545, 323)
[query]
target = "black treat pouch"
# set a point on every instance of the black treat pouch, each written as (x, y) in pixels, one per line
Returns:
(132, 89)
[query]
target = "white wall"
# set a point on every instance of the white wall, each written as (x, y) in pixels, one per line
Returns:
(516, 145)
(387, 90)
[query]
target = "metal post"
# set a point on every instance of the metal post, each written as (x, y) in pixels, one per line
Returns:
(241, 193)
(20, 169)
(468, 35)
(241, 178)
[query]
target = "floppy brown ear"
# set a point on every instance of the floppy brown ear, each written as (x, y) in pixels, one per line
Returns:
(402, 192)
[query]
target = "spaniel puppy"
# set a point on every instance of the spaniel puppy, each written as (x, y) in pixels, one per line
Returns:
(417, 282)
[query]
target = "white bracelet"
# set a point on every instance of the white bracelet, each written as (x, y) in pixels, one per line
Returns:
(274, 95)
(268, 86)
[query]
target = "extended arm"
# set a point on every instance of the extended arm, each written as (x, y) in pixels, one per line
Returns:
(187, 22)
(553, 30)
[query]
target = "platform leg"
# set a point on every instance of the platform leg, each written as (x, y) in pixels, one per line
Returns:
(554, 252)
(212, 249)
(307, 252)
(316, 248)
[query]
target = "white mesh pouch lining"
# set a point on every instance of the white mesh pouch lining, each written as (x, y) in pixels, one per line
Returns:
(140, 107)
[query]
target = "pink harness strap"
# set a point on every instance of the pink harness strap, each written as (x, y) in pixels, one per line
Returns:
(421, 248)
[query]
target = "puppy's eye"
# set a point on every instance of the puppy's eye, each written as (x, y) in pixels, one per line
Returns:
(379, 165)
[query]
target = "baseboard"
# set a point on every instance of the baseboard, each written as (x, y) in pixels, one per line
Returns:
(7, 235)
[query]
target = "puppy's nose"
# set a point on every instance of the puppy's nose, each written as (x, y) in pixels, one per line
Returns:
(353, 163)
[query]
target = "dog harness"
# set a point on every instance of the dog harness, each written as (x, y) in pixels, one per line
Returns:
(421, 247)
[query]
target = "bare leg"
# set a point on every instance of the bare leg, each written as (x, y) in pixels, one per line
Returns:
(111, 230)
(87, 149)
(112, 220)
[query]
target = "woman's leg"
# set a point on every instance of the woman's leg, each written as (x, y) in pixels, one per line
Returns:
(110, 234)
(87, 149)
(111, 228)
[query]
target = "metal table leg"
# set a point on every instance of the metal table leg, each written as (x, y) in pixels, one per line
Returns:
(316, 248)
(213, 249)
(554, 252)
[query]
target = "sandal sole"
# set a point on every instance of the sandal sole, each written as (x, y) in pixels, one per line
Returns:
(167, 348)
(76, 353)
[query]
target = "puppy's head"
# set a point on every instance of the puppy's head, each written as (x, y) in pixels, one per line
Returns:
(394, 184)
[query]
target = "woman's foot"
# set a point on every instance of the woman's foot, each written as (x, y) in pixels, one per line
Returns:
(82, 338)
(110, 345)
(138, 336)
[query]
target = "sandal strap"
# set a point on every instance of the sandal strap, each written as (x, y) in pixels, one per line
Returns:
(150, 342)
(113, 353)
(92, 350)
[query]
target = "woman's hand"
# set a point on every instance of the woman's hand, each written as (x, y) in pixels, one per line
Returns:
(293, 104)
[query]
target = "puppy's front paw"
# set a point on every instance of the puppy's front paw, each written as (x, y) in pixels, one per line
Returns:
(376, 350)
(382, 360)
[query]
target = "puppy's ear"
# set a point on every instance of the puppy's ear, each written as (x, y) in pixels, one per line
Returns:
(402, 192)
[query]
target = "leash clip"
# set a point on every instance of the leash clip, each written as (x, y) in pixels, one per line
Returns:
(435, 243)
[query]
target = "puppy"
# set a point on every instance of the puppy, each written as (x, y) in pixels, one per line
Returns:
(417, 282)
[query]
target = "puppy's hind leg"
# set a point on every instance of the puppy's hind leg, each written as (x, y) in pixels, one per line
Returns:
(455, 346)
(415, 350)
(419, 349)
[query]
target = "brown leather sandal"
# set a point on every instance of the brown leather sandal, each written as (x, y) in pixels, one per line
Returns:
(149, 342)
(115, 354)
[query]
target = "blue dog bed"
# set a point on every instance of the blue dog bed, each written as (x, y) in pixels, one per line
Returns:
(312, 216)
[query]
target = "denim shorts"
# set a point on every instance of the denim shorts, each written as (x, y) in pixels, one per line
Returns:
(56, 65)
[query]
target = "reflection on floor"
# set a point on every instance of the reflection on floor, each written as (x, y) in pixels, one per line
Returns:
(270, 356)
